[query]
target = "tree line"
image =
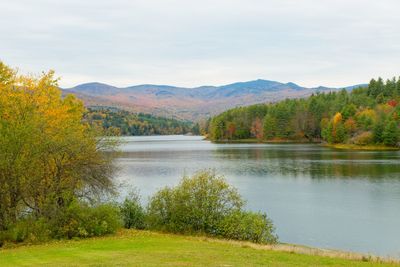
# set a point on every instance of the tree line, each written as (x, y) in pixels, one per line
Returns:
(362, 116)
(121, 122)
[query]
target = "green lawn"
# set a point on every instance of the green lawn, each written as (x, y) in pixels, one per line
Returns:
(142, 248)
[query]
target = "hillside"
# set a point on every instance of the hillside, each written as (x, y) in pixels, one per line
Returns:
(121, 122)
(142, 248)
(190, 103)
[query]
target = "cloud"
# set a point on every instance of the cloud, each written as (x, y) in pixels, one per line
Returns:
(191, 43)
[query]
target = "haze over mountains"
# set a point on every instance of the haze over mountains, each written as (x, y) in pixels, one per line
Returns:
(191, 103)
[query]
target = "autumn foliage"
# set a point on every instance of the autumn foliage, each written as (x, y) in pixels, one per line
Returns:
(48, 158)
(369, 115)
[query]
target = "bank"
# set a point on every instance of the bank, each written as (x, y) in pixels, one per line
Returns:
(144, 248)
(306, 141)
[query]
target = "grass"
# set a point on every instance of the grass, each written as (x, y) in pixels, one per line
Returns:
(367, 147)
(143, 248)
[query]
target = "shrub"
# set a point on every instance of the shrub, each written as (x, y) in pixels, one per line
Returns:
(82, 220)
(102, 219)
(26, 230)
(132, 212)
(250, 226)
(77, 219)
(207, 204)
(197, 204)
(364, 138)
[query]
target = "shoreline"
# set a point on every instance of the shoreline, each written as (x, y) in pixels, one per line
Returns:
(334, 146)
(365, 148)
(137, 235)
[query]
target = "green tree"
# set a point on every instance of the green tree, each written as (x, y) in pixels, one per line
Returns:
(378, 132)
(270, 127)
(391, 134)
(349, 111)
(340, 133)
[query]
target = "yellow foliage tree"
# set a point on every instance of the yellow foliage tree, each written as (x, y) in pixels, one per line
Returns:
(337, 118)
(48, 155)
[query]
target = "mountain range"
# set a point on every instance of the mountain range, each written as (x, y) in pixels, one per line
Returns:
(191, 103)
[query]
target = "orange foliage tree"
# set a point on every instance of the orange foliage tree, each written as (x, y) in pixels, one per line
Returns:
(48, 156)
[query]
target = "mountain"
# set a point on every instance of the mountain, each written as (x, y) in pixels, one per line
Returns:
(191, 103)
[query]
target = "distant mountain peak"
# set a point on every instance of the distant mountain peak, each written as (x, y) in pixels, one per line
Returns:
(191, 103)
(95, 88)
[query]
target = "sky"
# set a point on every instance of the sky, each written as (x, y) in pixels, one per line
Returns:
(203, 42)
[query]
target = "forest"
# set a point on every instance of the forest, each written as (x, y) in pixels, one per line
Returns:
(121, 122)
(363, 116)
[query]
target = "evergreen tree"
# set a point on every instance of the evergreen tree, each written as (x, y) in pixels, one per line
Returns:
(270, 127)
(340, 133)
(378, 132)
(391, 134)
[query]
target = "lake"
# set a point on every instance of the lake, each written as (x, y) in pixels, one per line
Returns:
(316, 196)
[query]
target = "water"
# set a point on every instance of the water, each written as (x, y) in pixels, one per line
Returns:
(347, 200)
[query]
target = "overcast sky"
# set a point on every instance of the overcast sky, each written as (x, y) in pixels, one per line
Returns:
(203, 42)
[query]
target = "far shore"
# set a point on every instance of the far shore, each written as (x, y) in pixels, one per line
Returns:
(306, 141)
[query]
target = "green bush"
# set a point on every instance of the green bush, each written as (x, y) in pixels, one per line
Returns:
(250, 226)
(26, 230)
(132, 212)
(207, 204)
(82, 220)
(196, 205)
(77, 219)
(102, 219)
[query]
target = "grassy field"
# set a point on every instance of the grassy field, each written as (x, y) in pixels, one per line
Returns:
(142, 248)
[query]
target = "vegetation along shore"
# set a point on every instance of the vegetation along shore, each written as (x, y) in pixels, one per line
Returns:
(365, 118)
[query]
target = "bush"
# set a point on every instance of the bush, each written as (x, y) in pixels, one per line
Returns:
(26, 230)
(207, 204)
(77, 219)
(250, 226)
(102, 219)
(82, 220)
(196, 205)
(132, 212)
(363, 138)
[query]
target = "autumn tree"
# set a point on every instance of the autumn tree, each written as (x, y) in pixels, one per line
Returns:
(48, 156)
(257, 128)
(231, 129)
